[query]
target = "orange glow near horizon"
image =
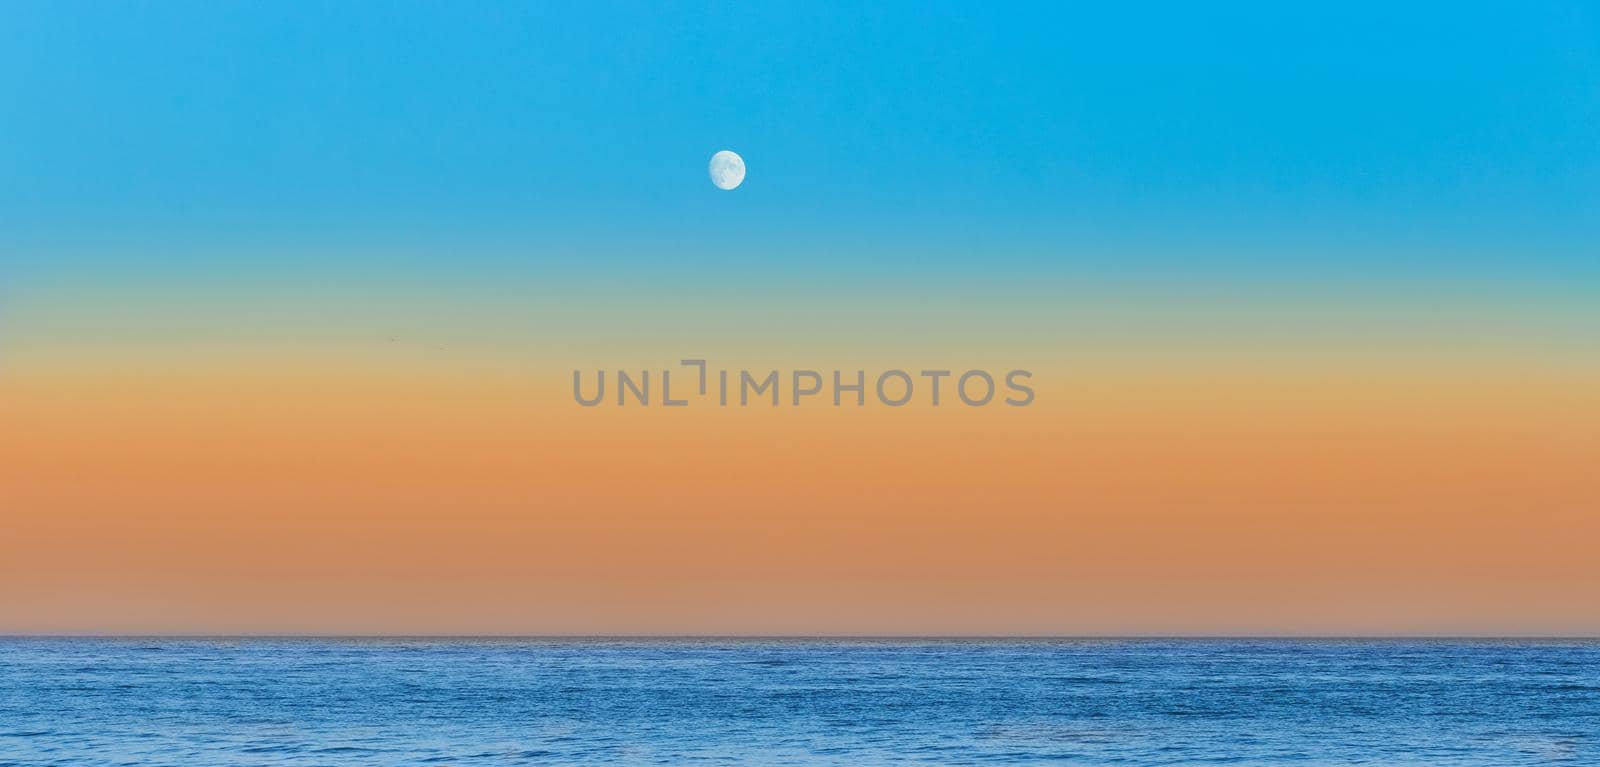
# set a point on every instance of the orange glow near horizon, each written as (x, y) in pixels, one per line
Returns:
(1142, 499)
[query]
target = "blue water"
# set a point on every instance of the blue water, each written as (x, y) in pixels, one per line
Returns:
(85, 702)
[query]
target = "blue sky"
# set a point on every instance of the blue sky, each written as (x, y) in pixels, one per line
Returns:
(1038, 136)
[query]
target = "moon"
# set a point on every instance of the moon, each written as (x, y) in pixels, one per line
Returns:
(727, 169)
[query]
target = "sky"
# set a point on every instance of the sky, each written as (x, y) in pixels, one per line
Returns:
(291, 295)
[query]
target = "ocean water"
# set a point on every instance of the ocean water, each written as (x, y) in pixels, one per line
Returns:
(85, 702)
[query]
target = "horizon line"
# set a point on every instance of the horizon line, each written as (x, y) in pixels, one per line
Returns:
(810, 637)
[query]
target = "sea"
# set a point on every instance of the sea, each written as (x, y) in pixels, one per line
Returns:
(215, 702)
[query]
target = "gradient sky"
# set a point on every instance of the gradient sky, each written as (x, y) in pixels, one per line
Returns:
(290, 297)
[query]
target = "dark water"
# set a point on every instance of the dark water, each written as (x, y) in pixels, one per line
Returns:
(441, 702)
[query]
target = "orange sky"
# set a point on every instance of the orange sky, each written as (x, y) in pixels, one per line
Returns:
(1132, 498)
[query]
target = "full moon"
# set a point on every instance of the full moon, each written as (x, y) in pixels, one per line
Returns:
(727, 169)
